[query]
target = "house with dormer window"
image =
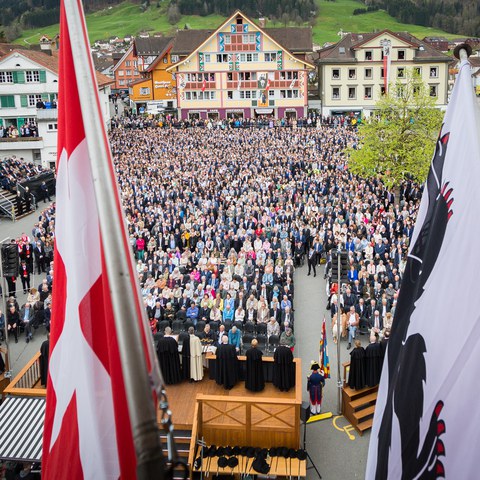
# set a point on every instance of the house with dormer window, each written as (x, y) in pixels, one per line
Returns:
(355, 72)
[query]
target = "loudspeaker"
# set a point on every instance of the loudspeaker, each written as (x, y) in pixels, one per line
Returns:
(10, 260)
(305, 412)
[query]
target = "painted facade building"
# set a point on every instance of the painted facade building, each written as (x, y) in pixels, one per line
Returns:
(242, 70)
(353, 73)
(125, 71)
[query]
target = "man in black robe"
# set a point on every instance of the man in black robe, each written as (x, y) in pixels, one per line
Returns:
(356, 376)
(169, 359)
(283, 368)
(44, 350)
(373, 362)
(226, 368)
(254, 377)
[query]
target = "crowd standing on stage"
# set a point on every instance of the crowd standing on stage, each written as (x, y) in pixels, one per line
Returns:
(219, 218)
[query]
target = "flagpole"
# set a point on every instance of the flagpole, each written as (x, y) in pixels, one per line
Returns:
(143, 419)
(339, 374)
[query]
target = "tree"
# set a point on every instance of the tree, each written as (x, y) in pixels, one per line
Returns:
(398, 141)
(173, 14)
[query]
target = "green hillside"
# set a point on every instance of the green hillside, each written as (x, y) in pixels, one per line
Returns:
(128, 18)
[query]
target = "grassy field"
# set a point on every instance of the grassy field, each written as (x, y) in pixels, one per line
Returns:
(128, 18)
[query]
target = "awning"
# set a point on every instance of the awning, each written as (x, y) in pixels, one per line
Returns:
(21, 428)
(262, 111)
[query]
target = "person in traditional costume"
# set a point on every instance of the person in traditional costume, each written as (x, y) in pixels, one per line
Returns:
(315, 384)
(196, 363)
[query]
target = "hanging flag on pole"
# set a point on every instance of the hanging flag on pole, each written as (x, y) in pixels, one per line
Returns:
(426, 414)
(91, 408)
(324, 360)
(204, 85)
(387, 60)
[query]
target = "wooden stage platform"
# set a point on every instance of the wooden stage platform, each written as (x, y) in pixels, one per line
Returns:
(182, 397)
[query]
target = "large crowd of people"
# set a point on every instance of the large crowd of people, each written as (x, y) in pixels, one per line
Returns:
(15, 170)
(219, 219)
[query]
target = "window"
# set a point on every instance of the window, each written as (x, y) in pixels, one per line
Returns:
(52, 127)
(230, 94)
(401, 54)
(368, 73)
(336, 93)
(194, 95)
(368, 55)
(401, 72)
(222, 58)
(228, 39)
(175, 58)
(433, 90)
(128, 63)
(352, 93)
(368, 93)
(270, 57)
(206, 58)
(135, 63)
(188, 95)
(32, 76)
(248, 57)
(400, 91)
(7, 101)
(120, 73)
(135, 72)
(248, 38)
(416, 89)
(336, 73)
(33, 100)
(6, 77)
(248, 94)
(382, 90)
(433, 72)
(165, 59)
(128, 73)
(417, 71)
(271, 93)
(144, 91)
(229, 76)
(382, 73)
(352, 73)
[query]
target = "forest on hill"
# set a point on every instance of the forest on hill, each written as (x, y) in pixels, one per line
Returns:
(454, 16)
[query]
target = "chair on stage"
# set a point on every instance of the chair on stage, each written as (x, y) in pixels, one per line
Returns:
(261, 329)
(200, 327)
(161, 326)
(214, 326)
(273, 342)
(249, 327)
(238, 324)
(177, 326)
(228, 325)
(262, 341)
(247, 340)
(187, 324)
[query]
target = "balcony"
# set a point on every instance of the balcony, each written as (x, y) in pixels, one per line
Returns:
(47, 113)
(21, 143)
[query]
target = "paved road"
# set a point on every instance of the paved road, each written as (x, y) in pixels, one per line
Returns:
(336, 456)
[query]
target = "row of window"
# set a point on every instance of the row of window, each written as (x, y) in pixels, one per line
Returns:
(127, 73)
(368, 92)
(368, 72)
(246, 38)
(242, 57)
(30, 101)
(207, 95)
(200, 77)
(401, 55)
(23, 76)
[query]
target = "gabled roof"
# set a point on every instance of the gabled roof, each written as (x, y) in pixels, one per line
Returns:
(186, 41)
(9, 47)
(167, 48)
(150, 45)
(294, 39)
(51, 63)
(344, 50)
(206, 34)
(123, 57)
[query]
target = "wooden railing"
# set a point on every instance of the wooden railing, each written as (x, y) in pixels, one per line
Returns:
(248, 421)
(27, 382)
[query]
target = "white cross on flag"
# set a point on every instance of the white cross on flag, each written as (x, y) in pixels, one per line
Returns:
(87, 431)
(426, 418)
